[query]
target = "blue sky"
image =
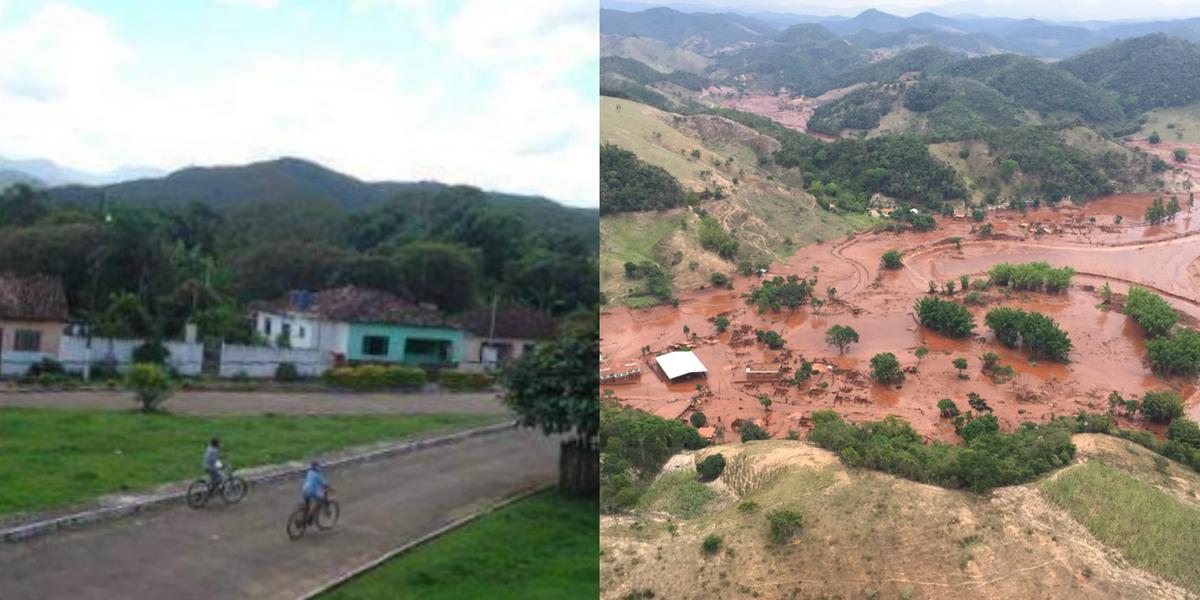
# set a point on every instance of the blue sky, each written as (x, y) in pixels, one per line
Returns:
(496, 94)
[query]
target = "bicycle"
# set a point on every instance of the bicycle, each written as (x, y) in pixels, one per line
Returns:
(232, 488)
(324, 517)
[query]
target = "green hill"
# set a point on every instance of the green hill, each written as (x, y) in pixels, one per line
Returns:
(1146, 72)
(1039, 86)
(704, 33)
(808, 59)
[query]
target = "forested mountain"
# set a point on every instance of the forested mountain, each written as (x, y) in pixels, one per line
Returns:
(701, 32)
(140, 259)
(629, 184)
(296, 180)
(1039, 86)
(807, 59)
(1146, 72)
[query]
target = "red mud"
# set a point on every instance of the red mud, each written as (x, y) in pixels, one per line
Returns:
(792, 113)
(1108, 351)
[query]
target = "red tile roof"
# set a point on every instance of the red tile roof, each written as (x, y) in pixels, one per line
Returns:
(360, 305)
(33, 298)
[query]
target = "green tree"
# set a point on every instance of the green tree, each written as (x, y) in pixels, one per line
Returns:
(698, 419)
(1181, 155)
(960, 364)
(947, 408)
(721, 323)
(752, 432)
(885, 368)
(1162, 406)
(945, 317)
(1155, 138)
(710, 468)
(892, 259)
(439, 272)
(841, 336)
(554, 387)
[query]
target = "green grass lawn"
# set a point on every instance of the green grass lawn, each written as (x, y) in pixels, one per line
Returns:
(546, 546)
(1153, 529)
(51, 457)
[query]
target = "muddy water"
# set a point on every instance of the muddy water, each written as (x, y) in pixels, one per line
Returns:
(1108, 353)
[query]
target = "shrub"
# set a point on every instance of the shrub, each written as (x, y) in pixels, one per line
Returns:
(1177, 354)
(458, 381)
(721, 324)
(885, 368)
(783, 525)
(711, 544)
(719, 279)
(46, 366)
(747, 506)
(752, 432)
(892, 259)
(1031, 276)
(286, 371)
(698, 419)
(771, 338)
(948, 409)
(375, 377)
(978, 426)
(1150, 311)
(152, 352)
(151, 385)
(1184, 431)
(945, 317)
(791, 292)
(1162, 407)
(710, 468)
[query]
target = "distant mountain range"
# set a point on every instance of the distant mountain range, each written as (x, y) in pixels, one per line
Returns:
(708, 33)
(45, 172)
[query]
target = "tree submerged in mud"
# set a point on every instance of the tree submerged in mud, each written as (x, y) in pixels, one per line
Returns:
(945, 317)
(886, 369)
(1037, 332)
(841, 336)
(792, 292)
(1032, 276)
(892, 259)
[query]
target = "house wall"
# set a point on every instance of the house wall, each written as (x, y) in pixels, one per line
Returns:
(473, 348)
(304, 331)
(398, 335)
(262, 361)
(14, 363)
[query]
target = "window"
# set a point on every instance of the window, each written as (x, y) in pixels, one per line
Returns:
(267, 326)
(302, 333)
(285, 329)
(426, 351)
(375, 345)
(27, 340)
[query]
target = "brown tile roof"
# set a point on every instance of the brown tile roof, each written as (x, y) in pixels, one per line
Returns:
(360, 305)
(33, 298)
(511, 322)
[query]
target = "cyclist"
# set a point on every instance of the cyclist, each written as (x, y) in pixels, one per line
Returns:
(212, 463)
(314, 488)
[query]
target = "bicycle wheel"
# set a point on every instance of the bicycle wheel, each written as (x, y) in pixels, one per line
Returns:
(234, 489)
(197, 493)
(296, 523)
(327, 515)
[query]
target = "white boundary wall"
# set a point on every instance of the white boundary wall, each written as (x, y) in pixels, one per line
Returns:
(74, 353)
(261, 361)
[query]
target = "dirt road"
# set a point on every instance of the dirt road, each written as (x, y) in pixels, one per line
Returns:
(213, 403)
(242, 551)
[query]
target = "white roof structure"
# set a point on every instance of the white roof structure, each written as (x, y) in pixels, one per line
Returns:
(678, 364)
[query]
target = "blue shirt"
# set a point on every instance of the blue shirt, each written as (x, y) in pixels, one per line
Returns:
(314, 482)
(211, 454)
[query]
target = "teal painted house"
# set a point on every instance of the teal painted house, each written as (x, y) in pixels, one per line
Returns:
(408, 344)
(362, 325)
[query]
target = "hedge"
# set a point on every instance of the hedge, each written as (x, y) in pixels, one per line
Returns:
(376, 377)
(458, 381)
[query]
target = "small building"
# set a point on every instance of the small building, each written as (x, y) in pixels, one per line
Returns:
(495, 337)
(680, 365)
(629, 372)
(764, 372)
(33, 316)
(359, 324)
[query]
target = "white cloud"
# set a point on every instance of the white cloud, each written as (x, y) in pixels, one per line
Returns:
(532, 133)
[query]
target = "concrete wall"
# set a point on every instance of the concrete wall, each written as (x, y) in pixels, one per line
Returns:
(261, 361)
(75, 354)
(50, 334)
(304, 332)
(473, 355)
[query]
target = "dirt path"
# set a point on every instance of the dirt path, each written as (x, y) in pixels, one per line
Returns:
(248, 403)
(242, 551)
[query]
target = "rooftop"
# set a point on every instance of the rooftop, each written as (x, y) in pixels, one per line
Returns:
(678, 364)
(32, 298)
(356, 304)
(511, 322)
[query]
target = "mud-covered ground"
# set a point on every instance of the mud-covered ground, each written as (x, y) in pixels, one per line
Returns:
(1108, 353)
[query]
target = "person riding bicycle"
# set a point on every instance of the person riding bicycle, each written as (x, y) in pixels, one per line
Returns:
(212, 462)
(314, 488)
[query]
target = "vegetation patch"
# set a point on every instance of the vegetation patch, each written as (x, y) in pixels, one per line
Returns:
(542, 547)
(1153, 529)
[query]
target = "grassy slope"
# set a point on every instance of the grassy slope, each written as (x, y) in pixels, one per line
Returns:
(653, 53)
(1185, 118)
(868, 534)
(52, 458)
(541, 547)
(762, 213)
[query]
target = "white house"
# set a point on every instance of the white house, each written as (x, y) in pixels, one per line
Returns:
(295, 320)
(494, 337)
